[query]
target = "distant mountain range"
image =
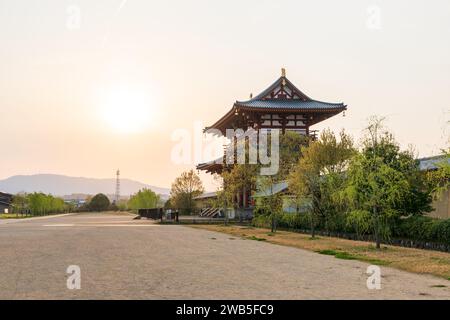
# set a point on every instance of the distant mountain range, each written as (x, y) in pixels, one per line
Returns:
(60, 185)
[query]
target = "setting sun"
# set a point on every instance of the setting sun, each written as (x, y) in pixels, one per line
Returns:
(126, 110)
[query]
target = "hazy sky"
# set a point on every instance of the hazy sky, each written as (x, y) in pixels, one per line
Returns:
(64, 63)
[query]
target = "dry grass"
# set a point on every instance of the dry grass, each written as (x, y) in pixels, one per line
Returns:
(412, 260)
(12, 216)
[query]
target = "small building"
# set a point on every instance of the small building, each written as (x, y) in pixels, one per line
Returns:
(205, 202)
(5, 202)
(442, 204)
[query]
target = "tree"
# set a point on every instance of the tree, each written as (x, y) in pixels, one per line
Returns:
(271, 203)
(184, 189)
(384, 184)
(40, 204)
(144, 199)
(322, 164)
(20, 203)
(291, 145)
(237, 180)
(99, 203)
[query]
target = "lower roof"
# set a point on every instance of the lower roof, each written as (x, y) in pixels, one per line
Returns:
(298, 105)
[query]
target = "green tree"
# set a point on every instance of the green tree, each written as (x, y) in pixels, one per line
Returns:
(291, 145)
(237, 180)
(20, 204)
(184, 189)
(271, 204)
(319, 171)
(42, 204)
(144, 199)
(99, 203)
(384, 184)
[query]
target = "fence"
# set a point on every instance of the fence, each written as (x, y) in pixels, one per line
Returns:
(155, 214)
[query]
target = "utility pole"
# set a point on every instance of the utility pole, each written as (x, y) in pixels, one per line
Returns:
(117, 195)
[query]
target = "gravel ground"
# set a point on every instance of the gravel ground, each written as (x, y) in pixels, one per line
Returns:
(121, 258)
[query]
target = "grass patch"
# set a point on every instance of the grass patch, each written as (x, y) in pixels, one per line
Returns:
(345, 256)
(256, 238)
(337, 254)
(377, 262)
(348, 256)
(371, 248)
(408, 259)
(313, 238)
(327, 252)
(13, 216)
(271, 234)
(438, 286)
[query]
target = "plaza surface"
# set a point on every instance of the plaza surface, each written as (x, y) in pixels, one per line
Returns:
(122, 258)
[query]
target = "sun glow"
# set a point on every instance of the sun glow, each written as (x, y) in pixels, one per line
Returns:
(127, 110)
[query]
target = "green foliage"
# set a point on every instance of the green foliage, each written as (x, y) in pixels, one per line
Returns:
(184, 189)
(272, 204)
(99, 203)
(415, 227)
(360, 220)
(384, 184)
(291, 145)
(38, 204)
(338, 254)
(319, 174)
(144, 199)
(424, 229)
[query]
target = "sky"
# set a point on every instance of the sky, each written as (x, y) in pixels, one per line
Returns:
(87, 87)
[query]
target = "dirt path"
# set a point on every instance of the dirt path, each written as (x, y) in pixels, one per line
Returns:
(125, 259)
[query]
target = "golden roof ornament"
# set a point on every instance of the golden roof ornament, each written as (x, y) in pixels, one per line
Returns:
(283, 75)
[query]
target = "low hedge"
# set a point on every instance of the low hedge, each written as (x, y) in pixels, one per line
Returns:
(423, 229)
(417, 228)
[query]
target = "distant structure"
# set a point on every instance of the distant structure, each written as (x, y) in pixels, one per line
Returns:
(117, 195)
(5, 202)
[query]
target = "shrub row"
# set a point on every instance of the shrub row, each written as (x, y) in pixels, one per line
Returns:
(423, 229)
(416, 228)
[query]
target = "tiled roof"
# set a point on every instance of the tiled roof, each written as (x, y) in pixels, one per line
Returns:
(432, 163)
(276, 188)
(290, 104)
(206, 195)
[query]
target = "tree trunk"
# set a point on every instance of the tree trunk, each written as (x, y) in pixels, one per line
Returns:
(313, 229)
(377, 228)
(226, 217)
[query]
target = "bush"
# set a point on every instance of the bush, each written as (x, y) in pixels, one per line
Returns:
(99, 202)
(441, 231)
(423, 229)
(417, 228)
(262, 221)
(286, 220)
(295, 221)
